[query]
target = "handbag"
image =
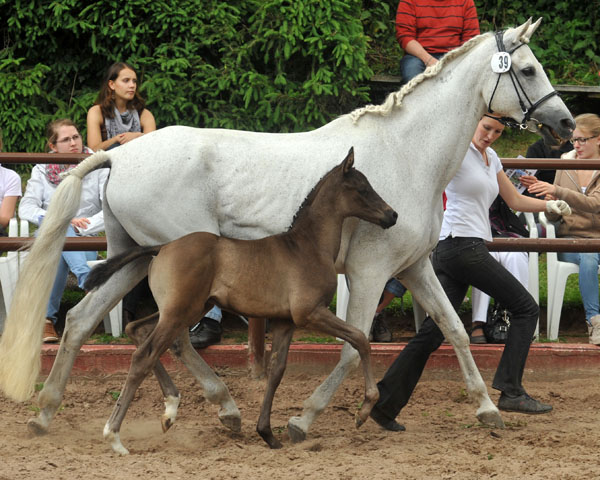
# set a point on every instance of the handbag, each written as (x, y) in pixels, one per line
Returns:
(497, 325)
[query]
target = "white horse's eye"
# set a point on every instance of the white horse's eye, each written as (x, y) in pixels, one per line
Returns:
(528, 71)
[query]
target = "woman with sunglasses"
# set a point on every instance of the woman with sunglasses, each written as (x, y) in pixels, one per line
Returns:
(64, 137)
(581, 190)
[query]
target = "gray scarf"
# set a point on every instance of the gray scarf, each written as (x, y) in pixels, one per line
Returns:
(122, 123)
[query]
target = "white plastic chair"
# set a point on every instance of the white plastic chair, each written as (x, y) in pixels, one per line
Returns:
(9, 272)
(113, 322)
(558, 272)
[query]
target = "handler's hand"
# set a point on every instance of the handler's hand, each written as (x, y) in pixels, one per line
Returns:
(559, 207)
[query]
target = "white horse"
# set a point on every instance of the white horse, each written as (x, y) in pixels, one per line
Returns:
(248, 185)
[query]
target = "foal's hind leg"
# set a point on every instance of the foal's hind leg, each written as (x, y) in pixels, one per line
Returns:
(143, 361)
(138, 331)
(327, 322)
(282, 337)
(426, 289)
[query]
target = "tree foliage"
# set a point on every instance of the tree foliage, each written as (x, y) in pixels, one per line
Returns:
(266, 65)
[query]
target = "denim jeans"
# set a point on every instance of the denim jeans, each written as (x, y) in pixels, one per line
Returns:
(588, 279)
(458, 263)
(76, 262)
(411, 66)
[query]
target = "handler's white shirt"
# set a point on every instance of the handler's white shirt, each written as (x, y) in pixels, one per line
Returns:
(470, 194)
(39, 191)
(10, 183)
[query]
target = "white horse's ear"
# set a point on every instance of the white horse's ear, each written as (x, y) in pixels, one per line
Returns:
(515, 36)
(349, 161)
(527, 35)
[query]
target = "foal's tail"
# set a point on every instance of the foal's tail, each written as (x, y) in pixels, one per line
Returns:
(22, 338)
(103, 271)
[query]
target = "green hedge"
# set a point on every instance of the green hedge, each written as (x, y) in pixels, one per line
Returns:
(268, 65)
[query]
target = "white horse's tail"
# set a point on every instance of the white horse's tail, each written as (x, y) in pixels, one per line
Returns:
(22, 338)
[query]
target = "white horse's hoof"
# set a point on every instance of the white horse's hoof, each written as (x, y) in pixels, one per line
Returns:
(490, 416)
(295, 431)
(35, 426)
(232, 422)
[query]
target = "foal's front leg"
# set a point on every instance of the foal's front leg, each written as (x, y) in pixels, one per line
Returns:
(327, 322)
(282, 337)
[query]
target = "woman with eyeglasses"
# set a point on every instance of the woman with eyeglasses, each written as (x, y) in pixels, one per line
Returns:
(119, 114)
(581, 190)
(64, 137)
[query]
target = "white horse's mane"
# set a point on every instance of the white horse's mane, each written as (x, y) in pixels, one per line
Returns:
(394, 99)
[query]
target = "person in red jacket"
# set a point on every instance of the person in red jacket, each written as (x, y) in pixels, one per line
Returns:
(427, 29)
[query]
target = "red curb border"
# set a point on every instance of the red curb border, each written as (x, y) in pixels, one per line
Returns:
(108, 359)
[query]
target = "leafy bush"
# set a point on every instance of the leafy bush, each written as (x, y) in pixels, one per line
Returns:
(251, 64)
(267, 65)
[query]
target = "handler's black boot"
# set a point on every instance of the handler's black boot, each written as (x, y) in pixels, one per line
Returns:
(522, 404)
(207, 333)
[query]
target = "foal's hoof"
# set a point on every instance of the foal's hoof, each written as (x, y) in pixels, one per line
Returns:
(166, 423)
(36, 427)
(296, 433)
(232, 422)
(491, 417)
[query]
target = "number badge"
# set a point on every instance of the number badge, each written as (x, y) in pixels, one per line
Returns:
(501, 62)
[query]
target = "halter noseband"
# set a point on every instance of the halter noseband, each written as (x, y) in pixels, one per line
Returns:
(527, 112)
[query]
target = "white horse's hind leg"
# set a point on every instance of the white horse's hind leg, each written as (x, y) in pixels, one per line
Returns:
(214, 389)
(80, 323)
(426, 288)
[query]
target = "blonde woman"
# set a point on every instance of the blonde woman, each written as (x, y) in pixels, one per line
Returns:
(581, 190)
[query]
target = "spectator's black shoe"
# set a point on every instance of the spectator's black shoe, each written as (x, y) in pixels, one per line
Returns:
(522, 404)
(379, 330)
(384, 422)
(207, 333)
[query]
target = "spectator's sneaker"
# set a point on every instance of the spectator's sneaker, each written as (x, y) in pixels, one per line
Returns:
(207, 333)
(594, 330)
(379, 330)
(49, 335)
(384, 422)
(522, 404)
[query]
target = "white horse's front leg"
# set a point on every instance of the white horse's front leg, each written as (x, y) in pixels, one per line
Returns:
(426, 289)
(80, 322)
(214, 389)
(364, 295)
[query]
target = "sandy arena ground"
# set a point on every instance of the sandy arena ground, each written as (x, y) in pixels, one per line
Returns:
(443, 439)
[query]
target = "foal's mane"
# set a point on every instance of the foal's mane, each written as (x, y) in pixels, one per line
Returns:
(311, 196)
(394, 99)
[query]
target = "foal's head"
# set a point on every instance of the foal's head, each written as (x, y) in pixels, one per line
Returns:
(355, 196)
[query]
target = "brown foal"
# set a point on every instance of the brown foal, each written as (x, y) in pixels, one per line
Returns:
(289, 278)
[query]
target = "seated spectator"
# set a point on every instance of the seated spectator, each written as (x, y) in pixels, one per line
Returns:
(427, 31)
(118, 116)
(581, 189)
(10, 191)
(379, 329)
(504, 223)
(64, 137)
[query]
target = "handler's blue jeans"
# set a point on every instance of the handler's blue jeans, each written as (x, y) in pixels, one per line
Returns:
(588, 279)
(460, 262)
(77, 263)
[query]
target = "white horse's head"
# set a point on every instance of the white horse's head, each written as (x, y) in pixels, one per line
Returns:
(518, 87)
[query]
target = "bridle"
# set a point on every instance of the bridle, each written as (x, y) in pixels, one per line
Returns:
(519, 90)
